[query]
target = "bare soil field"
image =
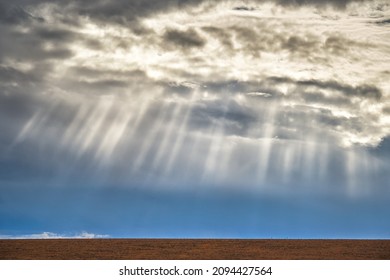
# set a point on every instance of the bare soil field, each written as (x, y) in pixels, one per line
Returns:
(195, 249)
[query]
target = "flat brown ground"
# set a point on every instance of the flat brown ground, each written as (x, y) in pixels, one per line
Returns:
(205, 249)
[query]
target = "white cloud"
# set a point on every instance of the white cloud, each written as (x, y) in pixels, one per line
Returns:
(51, 235)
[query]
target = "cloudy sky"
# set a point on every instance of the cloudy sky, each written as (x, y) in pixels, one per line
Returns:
(195, 118)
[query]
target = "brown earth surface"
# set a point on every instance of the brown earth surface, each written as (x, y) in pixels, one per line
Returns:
(195, 249)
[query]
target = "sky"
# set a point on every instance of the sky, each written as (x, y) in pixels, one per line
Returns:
(195, 119)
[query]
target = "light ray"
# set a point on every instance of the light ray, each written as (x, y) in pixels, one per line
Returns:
(35, 125)
(28, 127)
(114, 134)
(196, 155)
(143, 106)
(224, 170)
(266, 144)
(93, 126)
(183, 130)
(289, 158)
(150, 138)
(214, 148)
(74, 128)
(323, 161)
(310, 153)
(351, 171)
(167, 138)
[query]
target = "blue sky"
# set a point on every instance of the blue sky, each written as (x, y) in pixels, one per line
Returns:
(132, 213)
(239, 119)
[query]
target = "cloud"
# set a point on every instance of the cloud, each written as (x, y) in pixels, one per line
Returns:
(120, 11)
(51, 235)
(16, 14)
(336, 3)
(139, 92)
(386, 110)
(43, 44)
(362, 91)
(383, 22)
(243, 8)
(184, 39)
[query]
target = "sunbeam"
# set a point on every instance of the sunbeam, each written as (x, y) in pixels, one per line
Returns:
(162, 147)
(181, 133)
(266, 143)
(151, 137)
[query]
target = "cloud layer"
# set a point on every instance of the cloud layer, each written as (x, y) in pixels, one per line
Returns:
(196, 93)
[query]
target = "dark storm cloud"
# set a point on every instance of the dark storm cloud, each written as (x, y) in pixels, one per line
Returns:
(273, 36)
(184, 39)
(15, 14)
(31, 46)
(252, 89)
(97, 81)
(54, 34)
(136, 8)
(298, 116)
(313, 48)
(235, 118)
(89, 72)
(230, 86)
(120, 11)
(338, 45)
(386, 110)
(321, 98)
(222, 110)
(241, 117)
(10, 74)
(337, 3)
(123, 10)
(101, 85)
(363, 91)
(312, 104)
(252, 42)
(303, 45)
(223, 36)
(178, 88)
(383, 22)
(19, 90)
(243, 8)
(37, 41)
